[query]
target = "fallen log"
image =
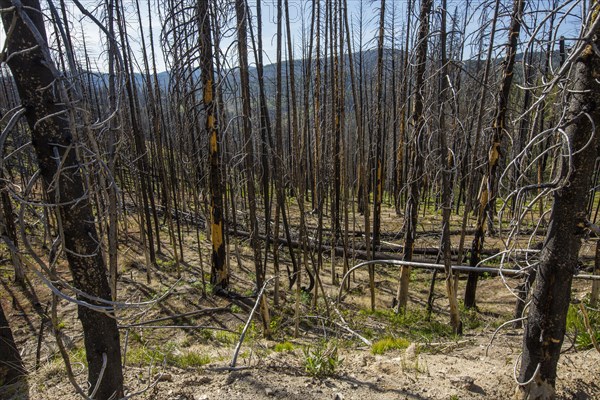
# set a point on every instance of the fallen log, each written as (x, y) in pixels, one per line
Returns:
(383, 251)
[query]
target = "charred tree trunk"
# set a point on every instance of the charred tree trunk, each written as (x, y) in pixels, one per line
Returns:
(447, 167)
(416, 168)
(36, 80)
(595, 295)
(546, 322)
(379, 160)
(241, 11)
(219, 276)
(11, 364)
(487, 195)
(8, 231)
(242, 38)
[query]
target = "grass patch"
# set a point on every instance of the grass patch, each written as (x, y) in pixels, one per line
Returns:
(142, 356)
(236, 309)
(78, 355)
(227, 338)
(166, 265)
(470, 318)
(412, 324)
(576, 326)
(386, 344)
(275, 324)
(283, 347)
(191, 360)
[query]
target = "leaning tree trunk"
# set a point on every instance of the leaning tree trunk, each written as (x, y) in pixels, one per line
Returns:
(11, 364)
(487, 196)
(545, 328)
(36, 81)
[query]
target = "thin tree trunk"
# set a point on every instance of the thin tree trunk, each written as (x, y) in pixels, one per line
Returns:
(416, 168)
(524, 287)
(242, 39)
(487, 195)
(447, 167)
(474, 151)
(379, 161)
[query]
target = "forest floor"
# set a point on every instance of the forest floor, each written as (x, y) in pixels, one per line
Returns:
(411, 356)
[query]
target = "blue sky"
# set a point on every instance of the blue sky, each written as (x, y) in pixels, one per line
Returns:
(82, 27)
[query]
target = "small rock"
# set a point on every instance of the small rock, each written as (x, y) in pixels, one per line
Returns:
(411, 352)
(366, 360)
(338, 396)
(198, 396)
(166, 377)
(465, 382)
(355, 386)
(329, 383)
(269, 392)
(205, 380)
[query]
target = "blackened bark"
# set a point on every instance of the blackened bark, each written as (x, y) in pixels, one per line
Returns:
(416, 167)
(545, 328)
(52, 139)
(377, 198)
(219, 276)
(8, 231)
(487, 197)
(11, 365)
(446, 167)
(242, 37)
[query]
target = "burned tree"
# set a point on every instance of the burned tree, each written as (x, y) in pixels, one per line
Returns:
(36, 80)
(11, 364)
(219, 275)
(546, 321)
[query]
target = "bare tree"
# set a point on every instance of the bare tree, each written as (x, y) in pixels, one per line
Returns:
(11, 364)
(219, 275)
(446, 161)
(36, 79)
(416, 167)
(546, 320)
(487, 193)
